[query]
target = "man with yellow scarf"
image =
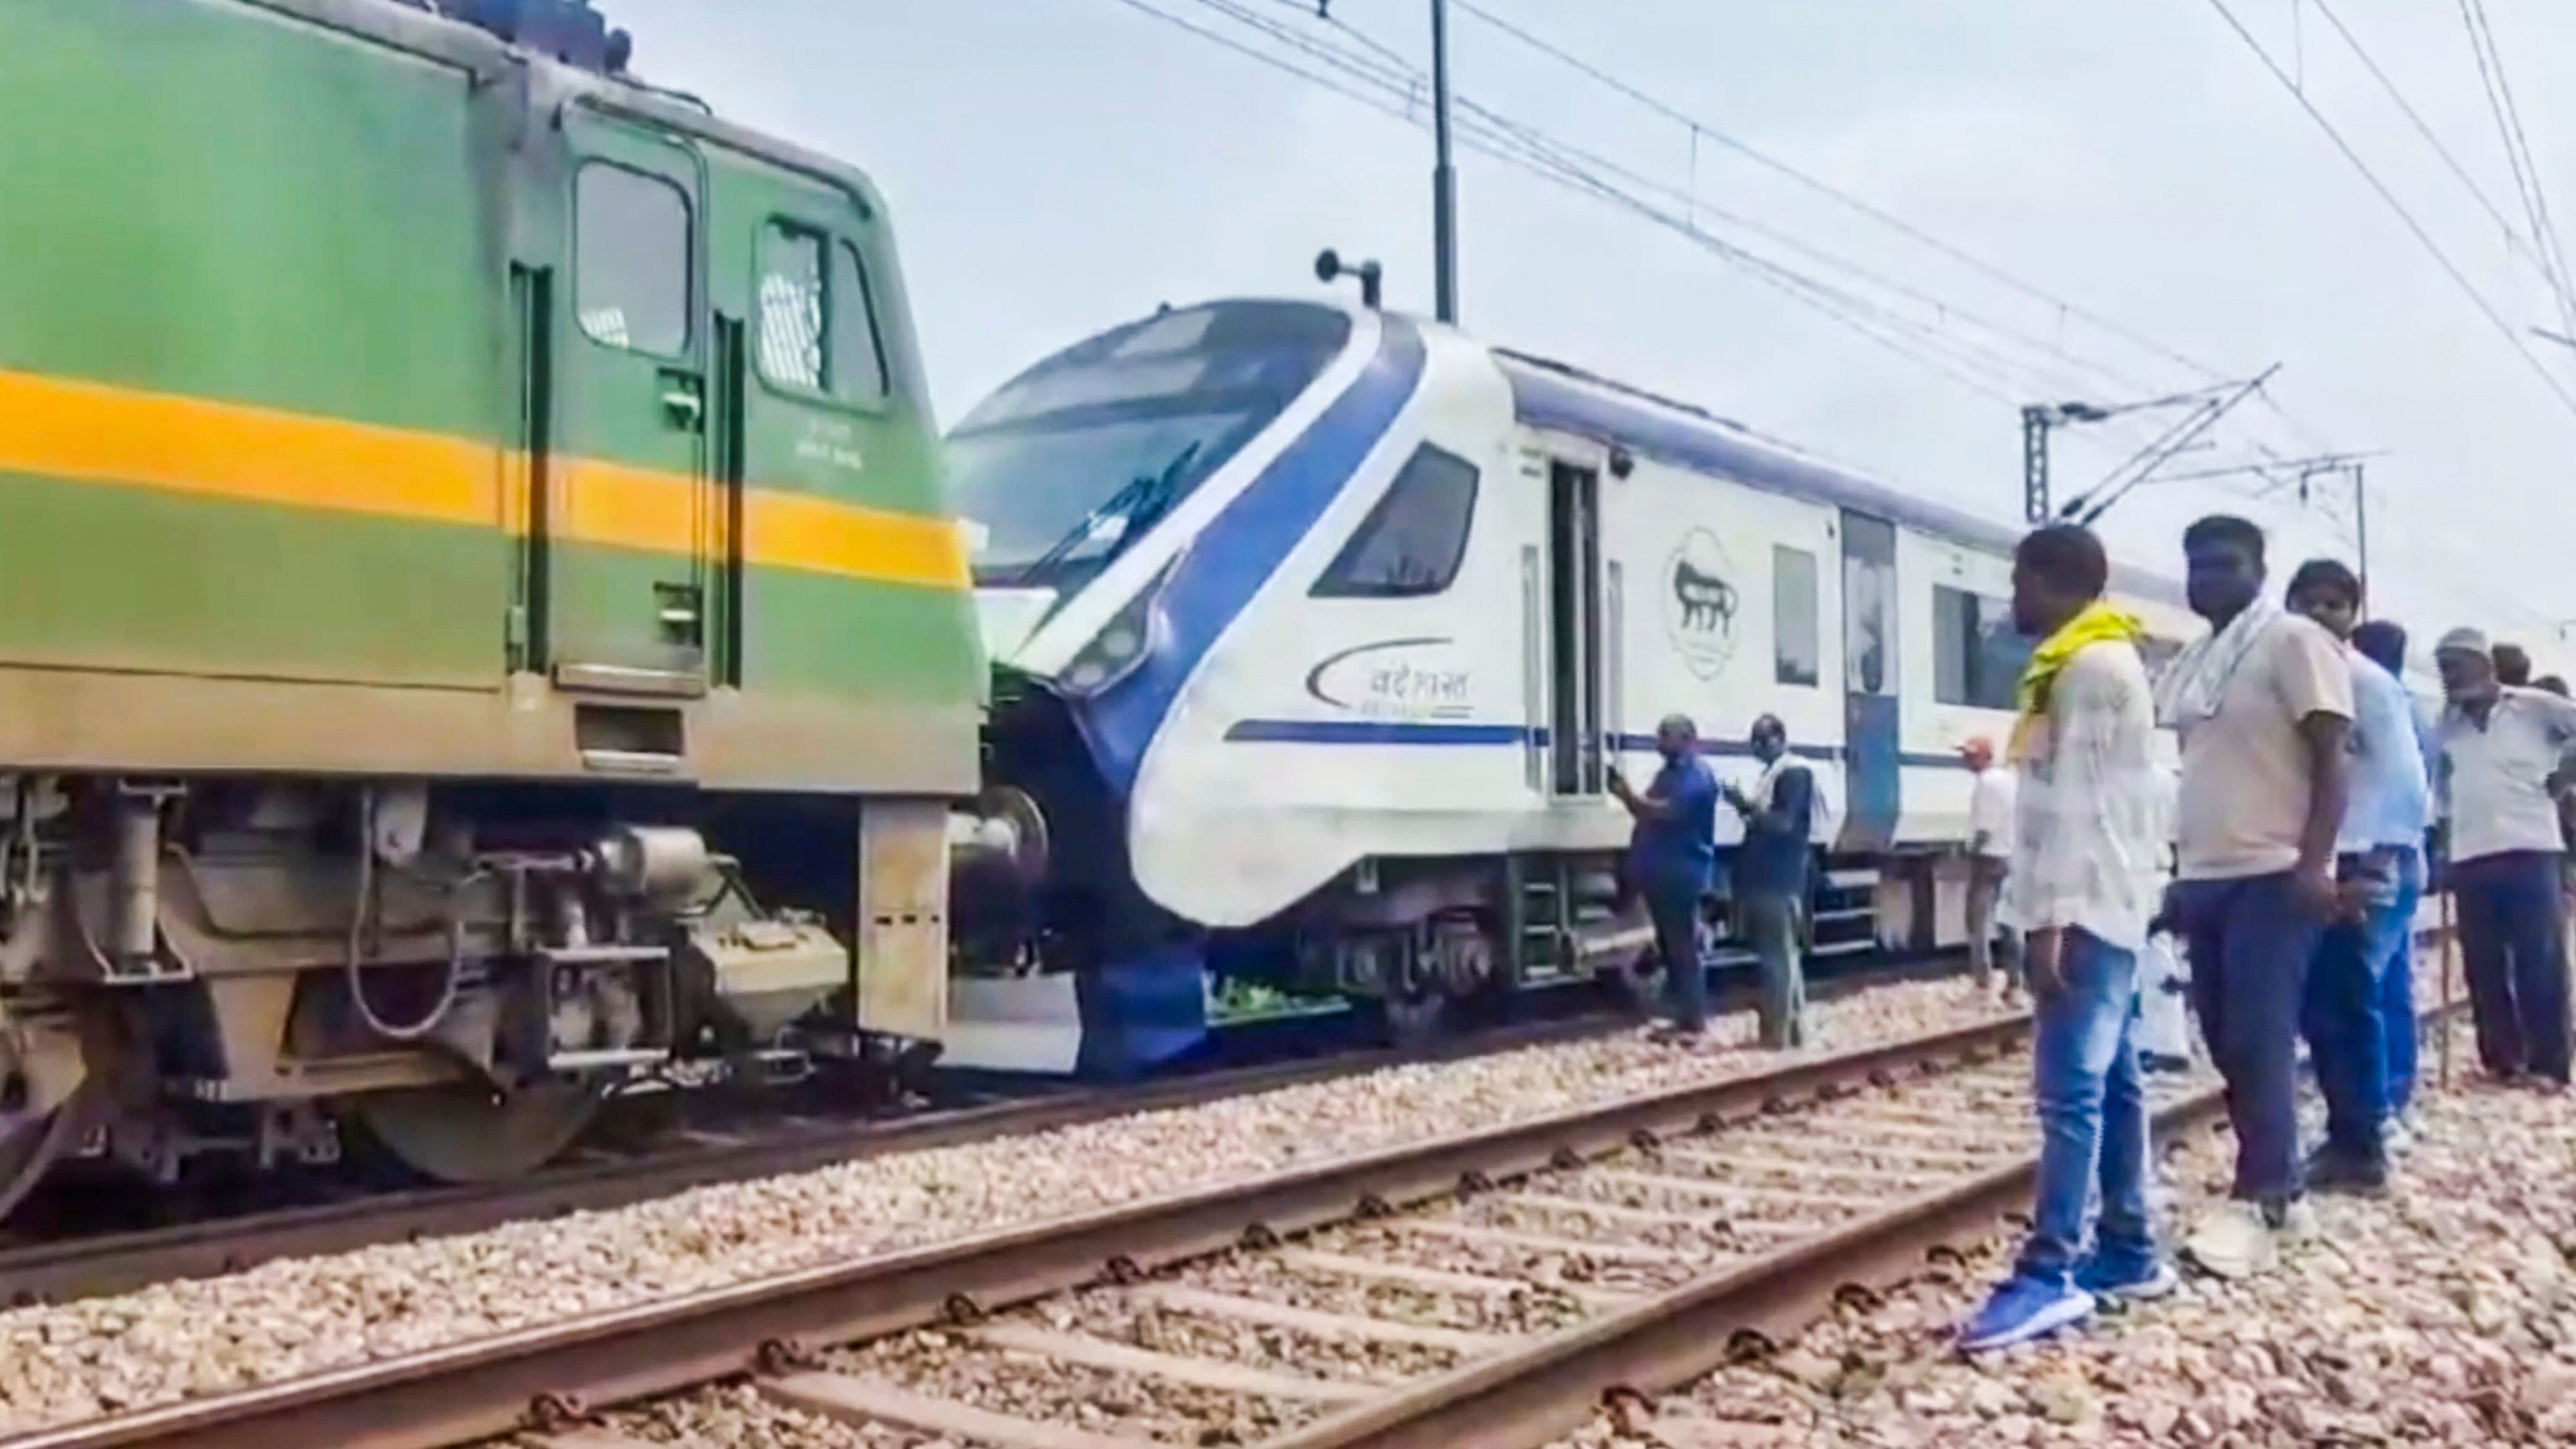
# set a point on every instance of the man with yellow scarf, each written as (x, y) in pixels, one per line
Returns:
(2083, 884)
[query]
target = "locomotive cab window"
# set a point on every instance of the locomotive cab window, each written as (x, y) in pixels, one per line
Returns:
(631, 259)
(818, 333)
(1412, 542)
(1797, 643)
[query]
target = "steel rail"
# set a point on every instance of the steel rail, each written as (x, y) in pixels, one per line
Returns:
(94, 1266)
(1533, 1396)
(550, 1374)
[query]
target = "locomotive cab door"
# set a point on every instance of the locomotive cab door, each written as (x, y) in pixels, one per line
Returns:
(628, 518)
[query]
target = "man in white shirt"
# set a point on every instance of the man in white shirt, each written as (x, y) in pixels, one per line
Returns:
(1990, 848)
(2083, 884)
(2264, 706)
(2500, 745)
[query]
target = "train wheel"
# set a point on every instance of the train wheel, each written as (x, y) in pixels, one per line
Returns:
(31, 1142)
(472, 1134)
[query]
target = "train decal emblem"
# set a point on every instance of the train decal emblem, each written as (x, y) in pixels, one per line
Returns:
(1699, 603)
(1393, 679)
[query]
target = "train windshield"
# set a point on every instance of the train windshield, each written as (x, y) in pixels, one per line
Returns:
(1079, 456)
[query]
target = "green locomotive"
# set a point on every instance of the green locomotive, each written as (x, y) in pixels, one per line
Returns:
(472, 555)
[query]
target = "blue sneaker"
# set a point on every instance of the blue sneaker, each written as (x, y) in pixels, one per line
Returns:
(2021, 1310)
(2126, 1279)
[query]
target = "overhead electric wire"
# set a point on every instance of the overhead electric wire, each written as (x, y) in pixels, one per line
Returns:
(1388, 67)
(1746, 149)
(1389, 84)
(2450, 268)
(1529, 150)
(2513, 237)
(2517, 152)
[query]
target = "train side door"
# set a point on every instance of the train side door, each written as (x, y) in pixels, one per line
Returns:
(1873, 758)
(629, 518)
(1575, 752)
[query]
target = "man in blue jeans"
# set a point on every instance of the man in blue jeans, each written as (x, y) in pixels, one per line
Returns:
(2383, 642)
(2083, 881)
(1671, 857)
(2387, 805)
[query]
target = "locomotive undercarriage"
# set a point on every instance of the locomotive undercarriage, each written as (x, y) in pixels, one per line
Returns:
(249, 968)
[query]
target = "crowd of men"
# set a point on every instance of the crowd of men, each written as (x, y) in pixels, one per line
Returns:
(2311, 801)
(2313, 806)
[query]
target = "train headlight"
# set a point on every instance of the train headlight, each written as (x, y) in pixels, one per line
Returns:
(1123, 644)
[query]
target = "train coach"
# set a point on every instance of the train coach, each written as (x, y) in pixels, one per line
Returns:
(479, 628)
(1318, 630)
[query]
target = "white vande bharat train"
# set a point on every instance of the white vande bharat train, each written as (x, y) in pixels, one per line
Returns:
(1317, 629)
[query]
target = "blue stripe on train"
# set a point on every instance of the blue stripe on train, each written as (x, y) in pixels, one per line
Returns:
(1454, 733)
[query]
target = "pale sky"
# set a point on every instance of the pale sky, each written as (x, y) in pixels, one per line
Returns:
(1056, 167)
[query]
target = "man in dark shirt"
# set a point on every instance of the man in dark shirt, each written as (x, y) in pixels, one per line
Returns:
(1671, 858)
(1771, 878)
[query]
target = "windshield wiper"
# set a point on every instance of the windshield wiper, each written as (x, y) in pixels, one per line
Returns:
(1134, 507)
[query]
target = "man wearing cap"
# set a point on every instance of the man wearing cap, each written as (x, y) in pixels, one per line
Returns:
(1990, 848)
(2500, 745)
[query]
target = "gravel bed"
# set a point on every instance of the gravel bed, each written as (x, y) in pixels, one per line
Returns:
(2443, 1314)
(298, 1317)
(1274, 1349)
(737, 1416)
(1527, 1313)
(1101, 1401)
(1544, 1267)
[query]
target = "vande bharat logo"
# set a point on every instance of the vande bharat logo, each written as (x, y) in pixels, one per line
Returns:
(1699, 603)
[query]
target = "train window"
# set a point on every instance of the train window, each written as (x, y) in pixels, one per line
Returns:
(1410, 545)
(791, 306)
(858, 353)
(817, 334)
(1797, 642)
(1977, 658)
(631, 259)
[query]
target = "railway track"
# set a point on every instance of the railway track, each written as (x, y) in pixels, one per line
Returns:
(1480, 1290)
(87, 1264)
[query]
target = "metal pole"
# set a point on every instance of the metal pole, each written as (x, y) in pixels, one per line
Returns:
(2361, 535)
(1444, 181)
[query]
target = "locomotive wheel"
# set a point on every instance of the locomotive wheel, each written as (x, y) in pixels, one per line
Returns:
(32, 1141)
(1416, 1020)
(472, 1134)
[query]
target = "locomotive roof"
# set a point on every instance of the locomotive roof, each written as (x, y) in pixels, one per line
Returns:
(1565, 398)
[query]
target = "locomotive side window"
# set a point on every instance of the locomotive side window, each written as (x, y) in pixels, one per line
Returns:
(858, 354)
(1977, 659)
(631, 259)
(791, 306)
(817, 332)
(1412, 542)
(1796, 641)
